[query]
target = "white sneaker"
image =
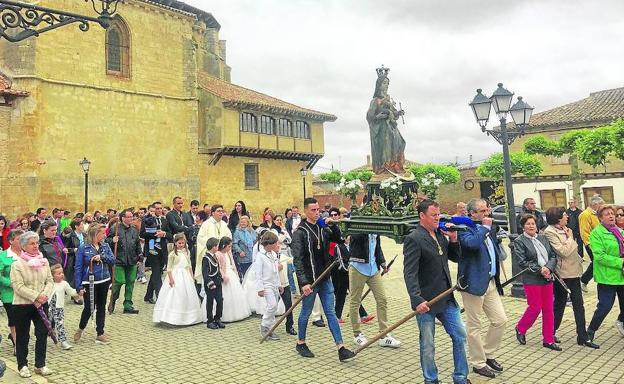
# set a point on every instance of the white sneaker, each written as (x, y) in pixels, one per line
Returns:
(620, 327)
(24, 372)
(43, 371)
(584, 287)
(360, 339)
(389, 341)
(65, 345)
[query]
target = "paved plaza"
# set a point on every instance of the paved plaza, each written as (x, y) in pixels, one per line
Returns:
(141, 352)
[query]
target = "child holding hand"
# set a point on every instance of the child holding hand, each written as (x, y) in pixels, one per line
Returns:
(57, 303)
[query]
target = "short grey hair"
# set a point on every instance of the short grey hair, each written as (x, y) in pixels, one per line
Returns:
(596, 200)
(472, 205)
(14, 233)
(26, 238)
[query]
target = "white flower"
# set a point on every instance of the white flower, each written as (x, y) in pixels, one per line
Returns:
(394, 187)
(431, 175)
(437, 182)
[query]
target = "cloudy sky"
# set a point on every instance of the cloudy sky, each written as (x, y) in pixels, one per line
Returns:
(322, 54)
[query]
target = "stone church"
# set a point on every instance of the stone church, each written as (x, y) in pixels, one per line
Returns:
(150, 103)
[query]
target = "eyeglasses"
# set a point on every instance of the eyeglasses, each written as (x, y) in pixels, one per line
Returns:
(334, 214)
(620, 215)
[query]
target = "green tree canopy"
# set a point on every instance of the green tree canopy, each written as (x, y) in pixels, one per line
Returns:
(334, 176)
(449, 174)
(521, 162)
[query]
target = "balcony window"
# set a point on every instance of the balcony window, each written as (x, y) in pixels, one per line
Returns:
(248, 122)
(267, 125)
(284, 127)
(302, 130)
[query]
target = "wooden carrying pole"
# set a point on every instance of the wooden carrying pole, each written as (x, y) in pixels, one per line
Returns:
(299, 300)
(406, 318)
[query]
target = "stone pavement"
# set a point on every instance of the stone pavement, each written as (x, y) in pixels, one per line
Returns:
(141, 352)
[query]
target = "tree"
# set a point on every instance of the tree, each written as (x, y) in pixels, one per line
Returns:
(493, 168)
(334, 176)
(521, 162)
(593, 147)
(430, 176)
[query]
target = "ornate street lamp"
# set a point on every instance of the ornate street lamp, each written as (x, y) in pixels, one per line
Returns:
(521, 115)
(19, 21)
(85, 164)
(304, 173)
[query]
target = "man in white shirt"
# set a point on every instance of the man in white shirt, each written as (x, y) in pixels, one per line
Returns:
(213, 227)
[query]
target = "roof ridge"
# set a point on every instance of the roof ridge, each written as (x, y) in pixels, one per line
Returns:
(596, 93)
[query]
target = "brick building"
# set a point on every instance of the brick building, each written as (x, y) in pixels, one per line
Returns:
(150, 103)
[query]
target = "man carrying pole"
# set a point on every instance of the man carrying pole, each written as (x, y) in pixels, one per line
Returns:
(310, 248)
(426, 252)
(479, 264)
(366, 260)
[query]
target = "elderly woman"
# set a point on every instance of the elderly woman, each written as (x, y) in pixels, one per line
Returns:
(7, 258)
(242, 245)
(533, 251)
(98, 251)
(32, 285)
(50, 245)
(607, 243)
(569, 268)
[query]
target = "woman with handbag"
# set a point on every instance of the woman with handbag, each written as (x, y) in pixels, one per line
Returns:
(533, 251)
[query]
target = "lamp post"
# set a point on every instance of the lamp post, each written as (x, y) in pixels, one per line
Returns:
(84, 163)
(521, 114)
(304, 173)
(19, 21)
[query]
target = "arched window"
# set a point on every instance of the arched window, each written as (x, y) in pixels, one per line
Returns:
(118, 49)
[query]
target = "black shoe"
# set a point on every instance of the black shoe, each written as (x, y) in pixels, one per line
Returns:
(150, 301)
(131, 310)
(303, 350)
(494, 365)
(212, 326)
(318, 323)
(557, 340)
(553, 346)
(345, 355)
(587, 343)
(521, 338)
(291, 331)
(485, 371)
(220, 324)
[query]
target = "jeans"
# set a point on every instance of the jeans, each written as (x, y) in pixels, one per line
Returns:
(589, 272)
(325, 290)
(606, 298)
(454, 327)
(576, 295)
(291, 279)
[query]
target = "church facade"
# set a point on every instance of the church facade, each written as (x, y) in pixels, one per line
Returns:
(150, 103)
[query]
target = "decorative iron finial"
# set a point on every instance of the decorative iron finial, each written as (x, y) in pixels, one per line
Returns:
(383, 71)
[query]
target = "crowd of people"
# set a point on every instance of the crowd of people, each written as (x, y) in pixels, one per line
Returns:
(214, 267)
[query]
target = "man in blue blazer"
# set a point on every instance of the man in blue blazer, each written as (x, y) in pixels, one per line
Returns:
(479, 264)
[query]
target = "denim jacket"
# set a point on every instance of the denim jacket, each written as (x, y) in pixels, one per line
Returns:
(100, 271)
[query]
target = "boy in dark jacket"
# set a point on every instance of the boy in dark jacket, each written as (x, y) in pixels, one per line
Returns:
(212, 284)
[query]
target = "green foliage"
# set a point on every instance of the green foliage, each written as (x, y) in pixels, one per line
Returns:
(618, 134)
(594, 147)
(334, 176)
(521, 162)
(568, 141)
(540, 145)
(449, 174)
(363, 175)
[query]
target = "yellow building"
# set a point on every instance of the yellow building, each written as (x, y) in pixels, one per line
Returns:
(554, 186)
(149, 102)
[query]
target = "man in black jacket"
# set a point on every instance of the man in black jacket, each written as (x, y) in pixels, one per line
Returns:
(528, 207)
(177, 220)
(310, 248)
(128, 245)
(157, 261)
(426, 252)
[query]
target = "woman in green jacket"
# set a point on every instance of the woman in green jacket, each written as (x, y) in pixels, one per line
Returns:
(607, 244)
(7, 257)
